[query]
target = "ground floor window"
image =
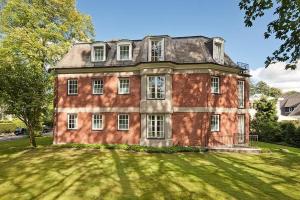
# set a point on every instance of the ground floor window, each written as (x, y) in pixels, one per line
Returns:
(123, 122)
(72, 121)
(155, 126)
(241, 128)
(215, 123)
(97, 120)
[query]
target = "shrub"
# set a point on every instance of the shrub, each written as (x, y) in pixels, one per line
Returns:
(10, 126)
(134, 148)
(268, 131)
(7, 127)
(288, 131)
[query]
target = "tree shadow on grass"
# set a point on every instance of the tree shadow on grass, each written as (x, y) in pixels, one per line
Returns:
(232, 180)
(123, 178)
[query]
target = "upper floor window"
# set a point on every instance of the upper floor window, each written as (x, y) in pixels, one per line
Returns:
(215, 123)
(123, 122)
(156, 87)
(123, 87)
(124, 51)
(98, 52)
(241, 94)
(72, 87)
(97, 122)
(215, 85)
(72, 121)
(97, 86)
(155, 126)
(156, 50)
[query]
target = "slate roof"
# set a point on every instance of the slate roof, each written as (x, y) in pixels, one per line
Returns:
(292, 101)
(193, 49)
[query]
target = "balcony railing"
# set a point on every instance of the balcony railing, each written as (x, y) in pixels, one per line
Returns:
(244, 67)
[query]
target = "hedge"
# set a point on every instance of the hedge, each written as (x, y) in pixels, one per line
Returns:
(134, 148)
(7, 127)
(10, 126)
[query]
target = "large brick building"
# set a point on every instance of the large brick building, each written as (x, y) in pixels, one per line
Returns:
(159, 91)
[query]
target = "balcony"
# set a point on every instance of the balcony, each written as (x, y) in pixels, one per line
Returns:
(244, 68)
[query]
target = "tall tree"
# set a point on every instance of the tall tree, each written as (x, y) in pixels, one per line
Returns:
(285, 27)
(35, 34)
(263, 88)
(265, 123)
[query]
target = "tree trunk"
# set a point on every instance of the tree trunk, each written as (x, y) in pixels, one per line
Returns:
(32, 137)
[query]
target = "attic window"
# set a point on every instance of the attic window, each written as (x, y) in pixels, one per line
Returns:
(124, 51)
(98, 52)
(218, 51)
(156, 50)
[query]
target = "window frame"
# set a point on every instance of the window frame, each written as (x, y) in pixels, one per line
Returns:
(218, 121)
(93, 58)
(102, 121)
(212, 86)
(128, 122)
(241, 99)
(149, 93)
(162, 56)
(119, 85)
(155, 126)
(68, 87)
(93, 86)
(119, 45)
(289, 109)
(75, 121)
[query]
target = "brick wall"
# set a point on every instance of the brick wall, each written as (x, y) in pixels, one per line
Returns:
(109, 98)
(189, 90)
(109, 135)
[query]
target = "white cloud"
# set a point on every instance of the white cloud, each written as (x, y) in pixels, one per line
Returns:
(276, 76)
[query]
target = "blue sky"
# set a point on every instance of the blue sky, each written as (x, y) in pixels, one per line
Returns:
(134, 19)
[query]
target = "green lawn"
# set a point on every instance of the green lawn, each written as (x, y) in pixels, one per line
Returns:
(61, 173)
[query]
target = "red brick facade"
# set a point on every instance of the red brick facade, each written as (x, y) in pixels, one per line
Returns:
(189, 90)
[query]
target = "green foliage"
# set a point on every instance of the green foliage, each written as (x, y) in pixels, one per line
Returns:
(263, 88)
(285, 27)
(268, 129)
(35, 35)
(265, 123)
(134, 148)
(7, 127)
(290, 133)
(10, 126)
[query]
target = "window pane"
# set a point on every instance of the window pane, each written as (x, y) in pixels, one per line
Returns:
(215, 120)
(98, 87)
(241, 93)
(124, 52)
(124, 86)
(72, 121)
(123, 122)
(156, 87)
(215, 84)
(97, 121)
(72, 87)
(156, 50)
(155, 126)
(99, 53)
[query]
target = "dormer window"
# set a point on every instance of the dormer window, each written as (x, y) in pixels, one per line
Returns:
(124, 51)
(218, 50)
(98, 52)
(156, 50)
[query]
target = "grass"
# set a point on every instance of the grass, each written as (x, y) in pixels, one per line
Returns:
(63, 173)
